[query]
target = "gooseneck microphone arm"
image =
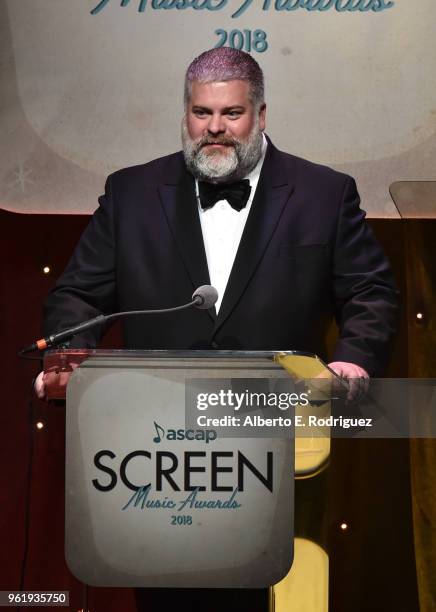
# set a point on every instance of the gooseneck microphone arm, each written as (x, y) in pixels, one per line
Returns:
(204, 298)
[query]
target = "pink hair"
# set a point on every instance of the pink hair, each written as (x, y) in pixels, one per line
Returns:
(226, 64)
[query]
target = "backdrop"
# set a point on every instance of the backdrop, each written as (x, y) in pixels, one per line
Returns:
(89, 86)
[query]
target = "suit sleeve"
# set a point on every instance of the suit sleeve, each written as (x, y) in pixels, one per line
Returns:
(366, 298)
(87, 286)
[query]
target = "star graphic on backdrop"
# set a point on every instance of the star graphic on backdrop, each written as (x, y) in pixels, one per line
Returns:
(21, 178)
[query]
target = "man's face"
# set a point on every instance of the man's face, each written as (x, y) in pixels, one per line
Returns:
(222, 130)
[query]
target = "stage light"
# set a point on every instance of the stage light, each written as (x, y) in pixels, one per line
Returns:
(419, 316)
(46, 270)
(344, 526)
(39, 425)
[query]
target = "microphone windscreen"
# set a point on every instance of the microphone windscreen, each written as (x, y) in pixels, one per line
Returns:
(205, 296)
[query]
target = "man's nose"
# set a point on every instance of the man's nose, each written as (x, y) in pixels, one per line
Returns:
(216, 124)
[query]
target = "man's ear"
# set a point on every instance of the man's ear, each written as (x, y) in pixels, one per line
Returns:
(262, 114)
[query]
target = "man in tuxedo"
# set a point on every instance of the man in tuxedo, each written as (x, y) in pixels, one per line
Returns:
(282, 239)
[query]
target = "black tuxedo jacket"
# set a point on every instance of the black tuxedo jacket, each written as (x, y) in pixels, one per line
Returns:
(306, 255)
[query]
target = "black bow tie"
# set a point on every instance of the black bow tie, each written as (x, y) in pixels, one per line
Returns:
(236, 194)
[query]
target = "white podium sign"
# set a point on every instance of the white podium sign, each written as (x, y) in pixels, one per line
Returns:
(150, 502)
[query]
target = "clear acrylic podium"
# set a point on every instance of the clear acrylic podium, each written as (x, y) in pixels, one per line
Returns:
(414, 199)
(160, 490)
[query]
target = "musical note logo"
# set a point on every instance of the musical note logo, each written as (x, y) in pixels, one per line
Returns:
(160, 433)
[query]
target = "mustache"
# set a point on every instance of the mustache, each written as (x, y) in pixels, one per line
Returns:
(208, 140)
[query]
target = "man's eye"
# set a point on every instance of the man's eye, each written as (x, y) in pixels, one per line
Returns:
(199, 113)
(234, 114)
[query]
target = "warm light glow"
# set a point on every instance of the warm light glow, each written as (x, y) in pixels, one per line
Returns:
(39, 425)
(344, 526)
(306, 586)
(419, 315)
(46, 269)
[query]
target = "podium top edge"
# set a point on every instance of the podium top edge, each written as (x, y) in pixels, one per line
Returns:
(190, 354)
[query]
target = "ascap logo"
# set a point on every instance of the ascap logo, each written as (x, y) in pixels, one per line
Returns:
(179, 471)
(205, 435)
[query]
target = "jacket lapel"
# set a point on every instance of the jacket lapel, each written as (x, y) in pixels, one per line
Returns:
(273, 191)
(180, 206)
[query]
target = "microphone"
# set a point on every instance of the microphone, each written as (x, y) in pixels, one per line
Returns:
(204, 298)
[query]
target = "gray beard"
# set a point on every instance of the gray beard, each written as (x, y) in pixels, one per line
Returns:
(240, 159)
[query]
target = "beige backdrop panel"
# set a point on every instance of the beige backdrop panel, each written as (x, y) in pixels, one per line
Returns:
(83, 94)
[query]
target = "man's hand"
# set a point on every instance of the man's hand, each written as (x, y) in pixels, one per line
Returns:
(39, 386)
(357, 377)
(47, 381)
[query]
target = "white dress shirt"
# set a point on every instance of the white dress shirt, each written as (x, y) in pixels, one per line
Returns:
(222, 228)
